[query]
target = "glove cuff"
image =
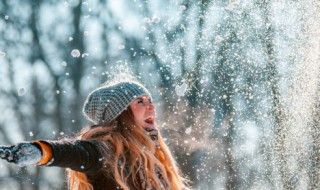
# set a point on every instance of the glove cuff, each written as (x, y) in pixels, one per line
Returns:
(46, 152)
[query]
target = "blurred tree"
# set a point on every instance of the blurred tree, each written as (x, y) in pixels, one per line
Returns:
(278, 110)
(216, 69)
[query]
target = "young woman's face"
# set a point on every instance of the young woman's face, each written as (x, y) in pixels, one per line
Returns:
(144, 112)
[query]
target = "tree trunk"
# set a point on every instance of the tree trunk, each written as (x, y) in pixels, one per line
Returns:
(278, 110)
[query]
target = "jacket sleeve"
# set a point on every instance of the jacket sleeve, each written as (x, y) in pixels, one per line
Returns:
(79, 155)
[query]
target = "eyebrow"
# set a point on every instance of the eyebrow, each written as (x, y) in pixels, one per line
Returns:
(142, 99)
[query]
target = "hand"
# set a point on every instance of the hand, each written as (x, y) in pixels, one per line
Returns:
(153, 133)
(22, 154)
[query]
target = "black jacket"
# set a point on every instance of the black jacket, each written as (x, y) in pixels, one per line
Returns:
(83, 156)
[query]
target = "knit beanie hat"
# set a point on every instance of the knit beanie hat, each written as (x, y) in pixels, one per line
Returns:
(108, 101)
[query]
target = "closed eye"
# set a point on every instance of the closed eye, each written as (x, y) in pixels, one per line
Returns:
(140, 100)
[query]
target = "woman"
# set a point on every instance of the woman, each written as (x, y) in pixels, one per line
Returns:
(121, 150)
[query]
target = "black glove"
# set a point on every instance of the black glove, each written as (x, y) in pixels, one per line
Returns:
(22, 154)
(153, 133)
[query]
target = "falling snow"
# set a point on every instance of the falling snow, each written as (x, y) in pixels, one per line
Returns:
(75, 53)
(236, 83)
(181, 89)
(188, 130)
(21, 91)
(2, 54)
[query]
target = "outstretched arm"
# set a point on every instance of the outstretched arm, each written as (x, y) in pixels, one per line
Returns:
(83, 156)
(79, 155)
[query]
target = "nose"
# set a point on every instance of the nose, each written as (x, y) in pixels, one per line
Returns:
(150, 106)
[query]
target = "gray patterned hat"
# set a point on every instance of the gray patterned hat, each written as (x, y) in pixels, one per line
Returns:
(108, 101)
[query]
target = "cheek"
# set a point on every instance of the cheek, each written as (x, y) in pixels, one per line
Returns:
(138, 116)
(138, 111)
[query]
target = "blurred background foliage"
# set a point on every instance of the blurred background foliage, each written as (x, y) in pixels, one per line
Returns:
(235, 82)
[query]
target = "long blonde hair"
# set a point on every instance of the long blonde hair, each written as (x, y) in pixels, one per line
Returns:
(132, 147)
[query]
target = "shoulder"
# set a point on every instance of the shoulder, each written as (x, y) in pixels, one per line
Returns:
(100, 135)
(103, 140)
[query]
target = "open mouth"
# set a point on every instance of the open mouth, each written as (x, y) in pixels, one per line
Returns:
(150, 120)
